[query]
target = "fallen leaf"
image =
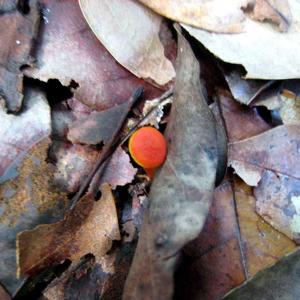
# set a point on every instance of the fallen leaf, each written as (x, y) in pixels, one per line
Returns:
(276, 150)
(182, 189)
(246, 47)
(70, 52)
(140, 51)
(280, 281)
(27, 199)
(208, 15)
(234, 244)
(17, 33)
(275, 11)
(241, 122)
(20, 132)
(3, 294)
(90, 227)
(96, 127)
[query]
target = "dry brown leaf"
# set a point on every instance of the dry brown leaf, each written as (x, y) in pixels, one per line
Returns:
(276, 150)
(130, 32)
(235, 244)
(264, 52)
(90, 227)
(26, 200)
(274, 11)
(209, 15)
(70, 51)
(17, 33)
(182, 189)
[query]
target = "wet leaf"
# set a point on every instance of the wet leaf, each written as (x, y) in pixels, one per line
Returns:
(246, 47)
(17, 33)
(182, 190)
(234, 244)
(280, 281)
(29, 198)
(130, 32)
(90, 227)
(70, 51)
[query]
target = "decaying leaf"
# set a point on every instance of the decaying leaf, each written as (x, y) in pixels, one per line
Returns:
(70, 51)
(280, 281)
(97, 127)
(17, 33)
(262, 50)
(90, 227)
(182, 189)
(276, 150)
(234, 244)
(130, 32)
(19, 133)
(27, 199)
(241, 122)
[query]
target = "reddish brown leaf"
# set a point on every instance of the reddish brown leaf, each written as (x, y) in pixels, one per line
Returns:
(17, 34)
(88, 228)
(70, 51)
(235, 243)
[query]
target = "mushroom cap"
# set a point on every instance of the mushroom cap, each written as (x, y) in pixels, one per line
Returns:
(148, 147)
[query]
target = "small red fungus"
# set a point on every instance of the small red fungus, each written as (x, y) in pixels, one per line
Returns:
(148, 148)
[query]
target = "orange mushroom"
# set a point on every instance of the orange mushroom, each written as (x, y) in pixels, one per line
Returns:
(148, 148)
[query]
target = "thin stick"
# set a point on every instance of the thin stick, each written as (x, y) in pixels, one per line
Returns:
(109, 147)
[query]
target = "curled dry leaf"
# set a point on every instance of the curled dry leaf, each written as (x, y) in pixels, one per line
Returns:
(70, 51)
(182, 189)
(26, 200)
(280, 281)
(90, 227)
(234, 244)
(17, 34)
(258, 47)
(130, 32)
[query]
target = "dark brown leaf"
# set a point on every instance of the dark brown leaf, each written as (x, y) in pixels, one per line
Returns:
(88, 228)
(17, 33)
(183, 188)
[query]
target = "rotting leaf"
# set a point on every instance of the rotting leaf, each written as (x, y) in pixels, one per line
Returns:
(140, 51)
(97, 127)
(28, 199)
(276, 150)
(70, 51)
(17, 34)
(182, 190)
(234, 244)
(244, 48)
(280, 281)
(270, 162)
(90, 227)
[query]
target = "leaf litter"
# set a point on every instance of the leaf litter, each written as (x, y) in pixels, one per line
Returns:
(252, 227)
